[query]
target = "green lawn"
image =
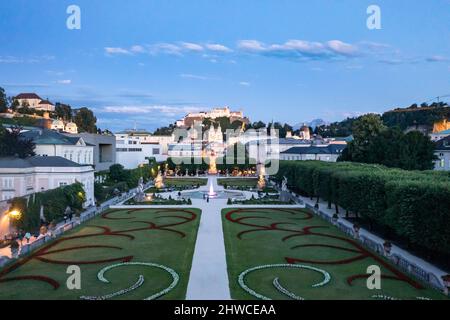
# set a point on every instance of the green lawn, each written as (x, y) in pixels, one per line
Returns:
(161, 236)
(238, 182)
(183, 182)
(323, 247)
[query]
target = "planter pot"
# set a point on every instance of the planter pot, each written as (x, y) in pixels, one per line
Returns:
(446, 280)
(387, 248)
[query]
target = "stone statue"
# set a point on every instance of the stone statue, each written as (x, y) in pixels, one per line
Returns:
(284, 184)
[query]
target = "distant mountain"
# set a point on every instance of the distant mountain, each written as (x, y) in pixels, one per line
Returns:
(313, 124)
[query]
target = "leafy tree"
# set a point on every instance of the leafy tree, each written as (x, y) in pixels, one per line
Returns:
(393, 148)
(117, 173)
(15, 105)
(86, 120)
(365, 129)
(63, 111)
(3, 101)
(12, 144)
(164, 131)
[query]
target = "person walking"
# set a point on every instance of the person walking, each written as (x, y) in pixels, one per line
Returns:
(28, 237)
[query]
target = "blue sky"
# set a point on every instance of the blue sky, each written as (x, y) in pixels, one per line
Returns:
(149, 62)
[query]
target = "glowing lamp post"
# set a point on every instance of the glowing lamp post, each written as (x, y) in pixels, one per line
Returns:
(15, 214)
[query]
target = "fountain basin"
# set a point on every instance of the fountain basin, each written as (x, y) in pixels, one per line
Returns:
(225, 194)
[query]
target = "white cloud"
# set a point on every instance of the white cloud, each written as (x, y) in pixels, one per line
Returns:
(66, 81)
(167, 48)
(437, 58)
(245, 83)
(342, 47)
(165, 110)
(32, 59)
(218, 47)
(251, 45)
(116, 50)
(192, 46)
(192, 76)
(137, 49)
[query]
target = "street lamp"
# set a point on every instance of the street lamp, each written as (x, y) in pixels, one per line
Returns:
(15, 214)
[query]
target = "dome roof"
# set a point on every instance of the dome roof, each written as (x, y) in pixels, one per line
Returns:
(71, 125)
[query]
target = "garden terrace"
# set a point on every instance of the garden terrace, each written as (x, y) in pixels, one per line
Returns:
(127, 243)
(288, 253)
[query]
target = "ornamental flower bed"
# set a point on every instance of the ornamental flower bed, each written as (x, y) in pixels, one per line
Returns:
(241, 279)
(101, 278)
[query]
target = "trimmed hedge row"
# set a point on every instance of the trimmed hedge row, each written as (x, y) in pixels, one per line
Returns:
(413, 204)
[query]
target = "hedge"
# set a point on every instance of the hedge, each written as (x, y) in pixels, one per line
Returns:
(415, 205)
(55, 202)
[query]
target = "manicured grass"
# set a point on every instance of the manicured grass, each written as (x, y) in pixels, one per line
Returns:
(182, 182)
(162, 236)
(239, 182)
(323, 246)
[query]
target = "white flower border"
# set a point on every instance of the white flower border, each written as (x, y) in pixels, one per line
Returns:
(385, 297)
(283, 290)
(101, 277)
(241, 279)
(118, 293)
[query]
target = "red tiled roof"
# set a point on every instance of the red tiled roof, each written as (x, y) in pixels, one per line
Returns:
(28, 96)
(46, 102)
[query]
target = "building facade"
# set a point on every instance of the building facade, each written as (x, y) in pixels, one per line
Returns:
(49, 143)
(34, 102)
(104, 148)
(21, 177)
(133, 151)
(328, 153)
(442, 153)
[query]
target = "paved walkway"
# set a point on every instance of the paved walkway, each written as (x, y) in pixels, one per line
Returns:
(209, 277)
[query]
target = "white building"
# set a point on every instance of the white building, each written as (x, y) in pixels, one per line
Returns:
(185, 150)
(34, 102)
(439, 135)
(214, 113)
(21, 177)
(146, 137)
(132, 151)
(442, 152)
(50, 143)
(328, 153)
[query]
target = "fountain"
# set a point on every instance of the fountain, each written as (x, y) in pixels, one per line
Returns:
(212, 164)
(212, 193)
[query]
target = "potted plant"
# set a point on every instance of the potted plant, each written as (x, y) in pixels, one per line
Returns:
(387, 245)
(356, 228)
(335, 218)
(14, 248)
(446, 280)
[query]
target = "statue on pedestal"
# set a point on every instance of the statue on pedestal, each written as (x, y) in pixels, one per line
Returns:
(159, 181)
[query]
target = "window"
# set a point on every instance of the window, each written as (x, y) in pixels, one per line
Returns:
(155, 151)
(442, 163)
(8, 183)
(62, 184)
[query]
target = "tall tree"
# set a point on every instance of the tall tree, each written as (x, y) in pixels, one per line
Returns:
(12, 144)
(365, 129)
(3, 101)
(86, 120)
(63, 111)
